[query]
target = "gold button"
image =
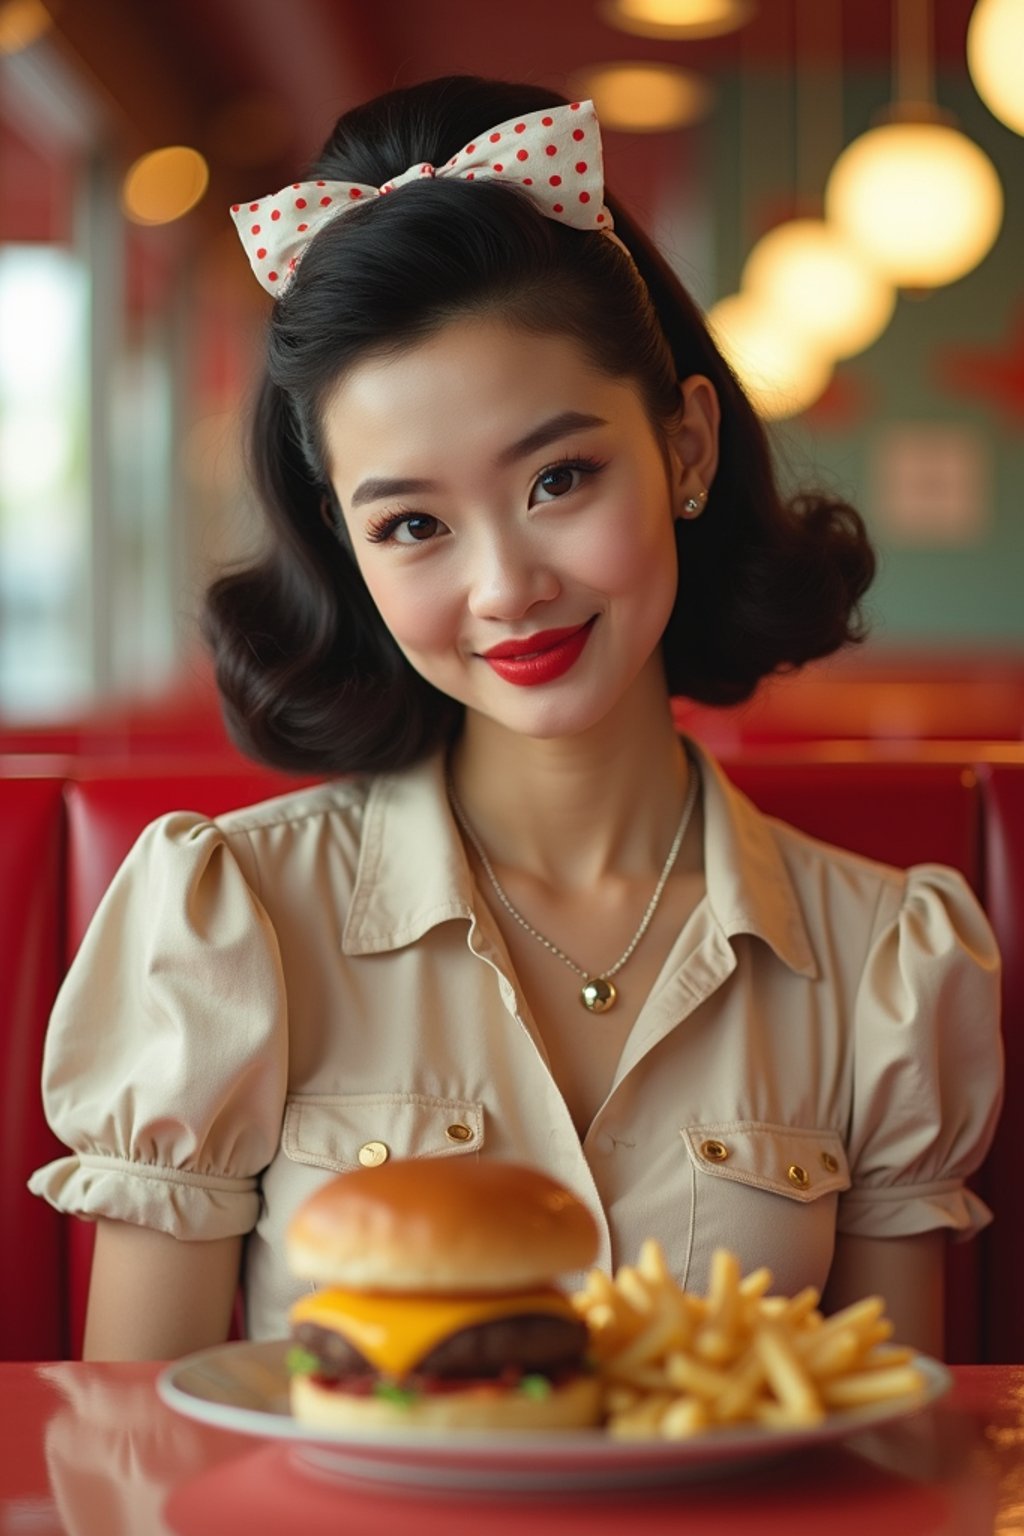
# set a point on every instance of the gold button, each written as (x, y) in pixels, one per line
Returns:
(714, 1151)
(798, 1176)
(373, 1153)
(829, 1163)
(459, 1132)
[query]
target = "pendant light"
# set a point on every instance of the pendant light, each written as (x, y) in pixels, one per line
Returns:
(806, 271)
(22, 23)
(995, 58)
(688, 19)
(164, 185)
(919, 198)
(640, 97)
(820, 284)
(781, 370)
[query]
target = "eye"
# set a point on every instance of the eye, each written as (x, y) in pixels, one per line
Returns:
(405, 528)
(560, 479)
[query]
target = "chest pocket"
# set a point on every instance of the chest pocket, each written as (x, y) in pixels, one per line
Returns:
(338, 1132)
(770, 1194)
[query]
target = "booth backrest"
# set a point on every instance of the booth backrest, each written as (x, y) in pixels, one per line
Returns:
(876, 696)
(900, 813)
(960, 813)
(107, 809)
(1002, 1253)
(33, 1303)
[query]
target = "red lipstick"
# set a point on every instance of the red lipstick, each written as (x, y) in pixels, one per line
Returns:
(539, 658)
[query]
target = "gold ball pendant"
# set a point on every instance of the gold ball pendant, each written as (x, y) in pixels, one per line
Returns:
(598, 995)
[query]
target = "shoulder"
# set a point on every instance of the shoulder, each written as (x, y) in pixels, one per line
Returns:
(786, 882)
(894, 893)
(919, 907)
(338, 803)
(191, 847)
(814, 864)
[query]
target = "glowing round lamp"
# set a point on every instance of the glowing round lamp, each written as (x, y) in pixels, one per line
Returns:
(995, 58)
(677, 18)
(164, 185)
(782, 372)
(645, 98)
(22, 22)
(920, 199)
(808, 274)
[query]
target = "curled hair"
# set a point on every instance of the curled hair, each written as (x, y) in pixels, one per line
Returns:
(310, 677)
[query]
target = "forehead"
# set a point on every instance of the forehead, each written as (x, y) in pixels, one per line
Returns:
(474, 382)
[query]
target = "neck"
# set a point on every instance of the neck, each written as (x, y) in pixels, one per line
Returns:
(607, 801)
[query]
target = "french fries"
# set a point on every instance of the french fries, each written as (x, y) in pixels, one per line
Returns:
(674, 1364)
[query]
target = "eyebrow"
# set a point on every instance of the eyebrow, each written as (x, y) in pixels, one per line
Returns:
(380, 487)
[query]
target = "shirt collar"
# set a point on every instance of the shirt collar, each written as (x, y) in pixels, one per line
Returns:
(750, 889)
(413, 872)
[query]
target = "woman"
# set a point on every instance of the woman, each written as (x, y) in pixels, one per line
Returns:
(516, 502)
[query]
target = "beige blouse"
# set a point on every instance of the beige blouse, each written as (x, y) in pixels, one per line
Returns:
(315, 982)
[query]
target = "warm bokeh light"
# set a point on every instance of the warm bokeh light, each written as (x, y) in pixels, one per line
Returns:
(920, 199)
(645, 98)
(782, 372)
(677, 18)
(22, 22)
(164, 185)
(995, 58)
(808, 274)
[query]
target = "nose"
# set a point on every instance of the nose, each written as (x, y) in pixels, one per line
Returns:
(509, 577)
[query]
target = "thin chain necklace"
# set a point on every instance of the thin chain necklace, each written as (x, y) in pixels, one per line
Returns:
(598, 993)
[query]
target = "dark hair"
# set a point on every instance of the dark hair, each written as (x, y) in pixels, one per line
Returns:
(310, 677)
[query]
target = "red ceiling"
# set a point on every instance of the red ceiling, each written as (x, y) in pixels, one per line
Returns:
(169, 69)
(322, 55)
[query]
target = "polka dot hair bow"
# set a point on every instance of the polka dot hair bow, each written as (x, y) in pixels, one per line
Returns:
(554, 155)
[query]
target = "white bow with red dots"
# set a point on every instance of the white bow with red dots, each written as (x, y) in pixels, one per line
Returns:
(554, 154)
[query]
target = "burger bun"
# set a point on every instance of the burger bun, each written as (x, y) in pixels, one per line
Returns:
(574, 1405)
(452, 1225)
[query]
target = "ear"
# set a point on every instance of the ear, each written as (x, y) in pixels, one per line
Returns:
(693, 445)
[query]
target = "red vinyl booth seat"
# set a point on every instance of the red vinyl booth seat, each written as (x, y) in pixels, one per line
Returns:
(59, 854)
(33, 1304)
(1003, 1242)
(899, 813)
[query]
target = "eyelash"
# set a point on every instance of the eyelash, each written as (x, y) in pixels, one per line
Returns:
(585, 465)
(381, 529)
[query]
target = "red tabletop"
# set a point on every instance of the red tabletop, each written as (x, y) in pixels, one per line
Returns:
(89, 1449)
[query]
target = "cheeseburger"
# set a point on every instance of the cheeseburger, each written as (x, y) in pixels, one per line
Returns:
(436, 1304)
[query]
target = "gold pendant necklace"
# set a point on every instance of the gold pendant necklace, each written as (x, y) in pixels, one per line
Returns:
(598, 993)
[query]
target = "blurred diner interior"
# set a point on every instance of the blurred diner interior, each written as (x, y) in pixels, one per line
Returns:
(840, 184)
(880, 333)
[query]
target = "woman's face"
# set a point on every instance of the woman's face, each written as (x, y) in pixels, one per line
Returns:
(511, 510)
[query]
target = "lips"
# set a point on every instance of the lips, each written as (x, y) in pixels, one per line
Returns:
(539, 658)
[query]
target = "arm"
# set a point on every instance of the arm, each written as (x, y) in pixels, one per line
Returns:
(155, 1297)
(909, 1272)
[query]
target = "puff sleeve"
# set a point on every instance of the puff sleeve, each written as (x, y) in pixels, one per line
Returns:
(165, 1062)
(927, 1073)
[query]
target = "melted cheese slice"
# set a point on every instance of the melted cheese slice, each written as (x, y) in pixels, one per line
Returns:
(396, 1332)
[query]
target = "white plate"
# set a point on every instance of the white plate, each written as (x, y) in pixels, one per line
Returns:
(244, 1387)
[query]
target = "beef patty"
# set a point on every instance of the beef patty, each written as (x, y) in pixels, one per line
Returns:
(535, 1344)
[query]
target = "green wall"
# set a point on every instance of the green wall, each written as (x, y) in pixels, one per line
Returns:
(924, 596)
